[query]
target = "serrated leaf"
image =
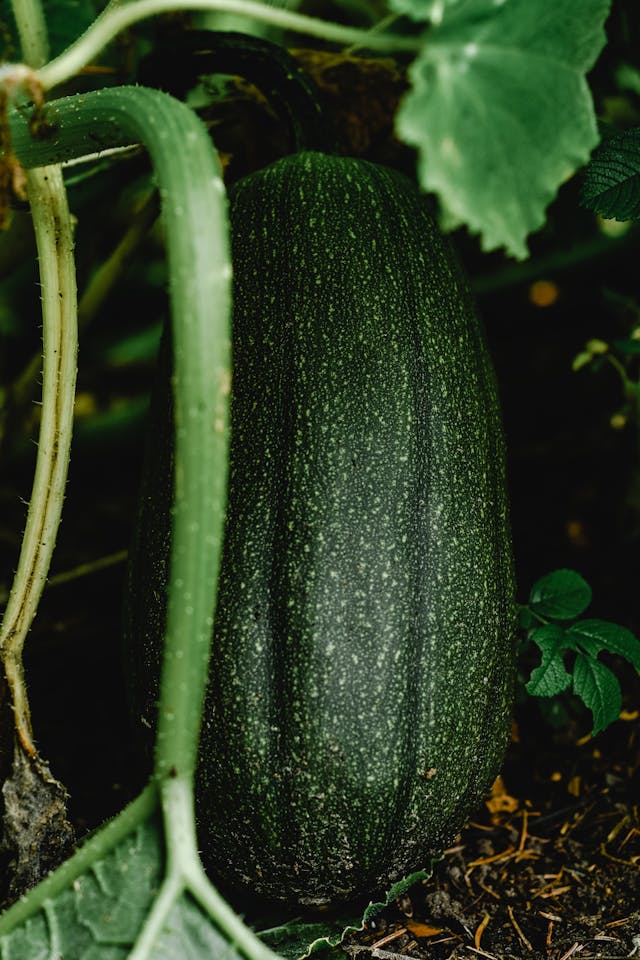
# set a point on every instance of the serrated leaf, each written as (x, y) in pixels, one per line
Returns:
(563, 594)
(611, 184)
(550, 637)
(551, 677)
(100, 913)
(597, 635)
(500, 110)
(299, 940)
(599, 690)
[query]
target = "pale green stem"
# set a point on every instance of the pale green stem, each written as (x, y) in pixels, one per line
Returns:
(113, 21)
(186, 875)
(54, 242)
(194, 210)
(32, 30)
(163, 904)
(77, 573)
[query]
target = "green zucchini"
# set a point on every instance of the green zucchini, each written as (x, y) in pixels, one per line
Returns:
(363, 658)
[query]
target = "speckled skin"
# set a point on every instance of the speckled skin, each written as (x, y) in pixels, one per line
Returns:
(361, 677)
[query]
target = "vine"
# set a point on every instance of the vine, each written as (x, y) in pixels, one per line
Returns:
(54, 241)
(118, 18)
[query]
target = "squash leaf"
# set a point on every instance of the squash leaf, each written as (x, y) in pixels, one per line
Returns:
(298, 940)
(612, 180)
(96, 905)
(500, 110)
(101, 912)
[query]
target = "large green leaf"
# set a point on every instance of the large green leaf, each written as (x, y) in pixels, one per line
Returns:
(102, 912)
(500, 110)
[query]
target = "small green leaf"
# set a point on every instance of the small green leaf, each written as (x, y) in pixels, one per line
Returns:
(599, 690)
(526, 619)
(551, 677)
(630, 347)
(563, 594)
(500, 110)
(597, 635)
(550, 637)
(612, 180)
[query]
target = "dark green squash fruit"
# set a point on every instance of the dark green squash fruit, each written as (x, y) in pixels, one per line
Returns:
(363, 656)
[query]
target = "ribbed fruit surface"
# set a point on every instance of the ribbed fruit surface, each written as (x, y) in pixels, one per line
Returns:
(362, 668)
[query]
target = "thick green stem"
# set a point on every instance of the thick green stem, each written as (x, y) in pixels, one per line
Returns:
(194, 208)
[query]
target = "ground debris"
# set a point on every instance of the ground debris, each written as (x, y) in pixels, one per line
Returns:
(36, 835)
(549, 869)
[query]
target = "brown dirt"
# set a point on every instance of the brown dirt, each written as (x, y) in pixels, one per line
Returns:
(550, 867)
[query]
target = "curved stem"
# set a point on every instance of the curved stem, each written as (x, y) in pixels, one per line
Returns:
(113, 21)
(194, 208)
(288, 89)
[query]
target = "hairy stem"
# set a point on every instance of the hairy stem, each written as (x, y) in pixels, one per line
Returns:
(54, 242)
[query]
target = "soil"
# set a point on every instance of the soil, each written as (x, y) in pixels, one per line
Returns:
(550, 867)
